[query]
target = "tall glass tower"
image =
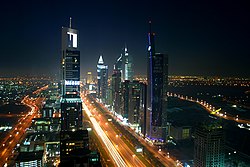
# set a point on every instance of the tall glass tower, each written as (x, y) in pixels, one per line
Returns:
(102, 79)
(127, 65)
(71, 104)
(116, 85)
(157, 78)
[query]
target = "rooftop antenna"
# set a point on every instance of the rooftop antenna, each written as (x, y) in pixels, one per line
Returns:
(70, 20)
(150, 25)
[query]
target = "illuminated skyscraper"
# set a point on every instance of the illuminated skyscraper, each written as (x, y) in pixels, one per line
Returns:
(102, 79)
(157, 77)
(116, 85)
(209, 146)
(127, 67)
(89, 78)
(71, 104)
(74, 141)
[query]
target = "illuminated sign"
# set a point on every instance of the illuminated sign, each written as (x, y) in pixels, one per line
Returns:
(72, 83)
(139, 150)
(73, 39)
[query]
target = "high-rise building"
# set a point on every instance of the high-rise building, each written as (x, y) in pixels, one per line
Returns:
(89, 78)
(143, 109)
(134, 104)
(209, 146)
(157, 78)
(127, 66)
(72, 140)
(116, 85)
(71, 104)
(102, 80)
(125, 99)
(32, 159)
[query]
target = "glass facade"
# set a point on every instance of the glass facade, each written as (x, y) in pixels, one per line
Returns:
(102, 80)
(157, 79)
(71, 108)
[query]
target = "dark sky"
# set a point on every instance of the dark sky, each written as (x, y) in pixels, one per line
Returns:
(208, 37)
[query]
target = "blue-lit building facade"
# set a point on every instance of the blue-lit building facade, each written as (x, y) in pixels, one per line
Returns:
(157, 78)
(102, 80)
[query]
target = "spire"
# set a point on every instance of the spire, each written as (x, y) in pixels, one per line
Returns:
(150, 25)
(70, 22)
(100, 61)
(125, 49)
(151, 42)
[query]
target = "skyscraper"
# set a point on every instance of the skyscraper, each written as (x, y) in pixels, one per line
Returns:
(127, 67)
(116, 85)
(74, 141)
(89, 78)
(71, 104)
(157, 78)
(102, 79)
(209, 146)
(134, 104)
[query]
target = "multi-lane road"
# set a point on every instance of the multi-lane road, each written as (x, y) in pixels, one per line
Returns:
(16, 134)
(162, 156)
(129, 156)
(120, 152)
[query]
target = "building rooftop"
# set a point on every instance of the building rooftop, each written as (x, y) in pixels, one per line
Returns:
(29, 156)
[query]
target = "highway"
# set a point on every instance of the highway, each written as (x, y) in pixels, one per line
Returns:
(41, 89)
(128, 156)
(16, 134)
(113, 152)
(162, 156)
(210, 109)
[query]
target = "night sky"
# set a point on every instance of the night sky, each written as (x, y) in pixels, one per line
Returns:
(208, 37)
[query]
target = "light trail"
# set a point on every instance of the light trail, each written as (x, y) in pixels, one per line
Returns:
(17, 132)
(112, 150)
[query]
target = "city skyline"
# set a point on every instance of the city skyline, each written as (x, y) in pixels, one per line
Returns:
(70, 111)
(202, 38)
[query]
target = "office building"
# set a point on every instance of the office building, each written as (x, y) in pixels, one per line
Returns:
(157, 78)
(127, 66)
(31, 159)
(143, 109)
(71, 104)
(47, 112)
(82, 157)
(75, 150)
(116, 85)
(89, 78)
(125, 99)
(209, 146)
(179, 132)
(72, 140)
(134, 104)
(102, 80)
